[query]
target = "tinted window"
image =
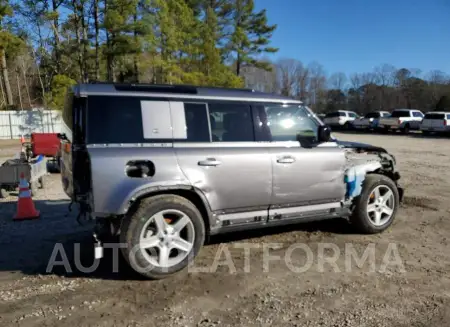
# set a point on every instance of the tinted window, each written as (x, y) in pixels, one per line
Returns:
(67, 114)
(352, 114)
(434, 116)
(385, 114)
(417, 114)
(372, 115)
(196, 122)
(120, 120)
(231, 122)
(285, 123)
(341, 114)
(114, 120)
(400, 113)
(448, 116)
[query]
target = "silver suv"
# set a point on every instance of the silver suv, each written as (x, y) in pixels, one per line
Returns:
(164, 167)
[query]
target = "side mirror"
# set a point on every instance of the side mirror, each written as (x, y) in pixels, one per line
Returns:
(324, 134)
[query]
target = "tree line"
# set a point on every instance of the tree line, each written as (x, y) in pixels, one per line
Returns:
(385, 88)
(48, 45)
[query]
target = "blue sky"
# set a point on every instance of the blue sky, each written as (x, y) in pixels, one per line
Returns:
(357, 35)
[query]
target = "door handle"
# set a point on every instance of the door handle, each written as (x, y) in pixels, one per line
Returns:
(286, 160)
(209, 162)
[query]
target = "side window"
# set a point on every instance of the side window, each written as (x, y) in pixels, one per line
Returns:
(417, 114)
(196, 122)
(352, 114)
(231, 122)
(285, 123)
(114, 120)
(448, 116)
(341, 114)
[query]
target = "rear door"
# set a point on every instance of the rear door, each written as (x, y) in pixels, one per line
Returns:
(437, 121)
(232, 170)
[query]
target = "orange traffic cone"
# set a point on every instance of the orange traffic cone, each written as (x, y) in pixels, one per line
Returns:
(22, 139)
(25, 205)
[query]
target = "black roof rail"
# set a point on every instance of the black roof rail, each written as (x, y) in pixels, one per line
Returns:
(169, 88)
(156, 88)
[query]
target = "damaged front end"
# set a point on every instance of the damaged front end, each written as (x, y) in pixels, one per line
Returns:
(363, 159)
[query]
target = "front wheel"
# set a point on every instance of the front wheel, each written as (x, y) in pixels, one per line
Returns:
(162, 236)
(376, 207)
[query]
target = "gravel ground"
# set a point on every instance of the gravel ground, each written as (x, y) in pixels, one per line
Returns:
(412, 292)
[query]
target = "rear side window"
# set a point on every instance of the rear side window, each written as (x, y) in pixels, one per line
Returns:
(434, 116)
(448, 116)
(114, 120)
(67, 114)
(417, 114)
(400, 113)
(137, 120)
(352, 115)
(196, 122)
(341, 114)
(231, 122)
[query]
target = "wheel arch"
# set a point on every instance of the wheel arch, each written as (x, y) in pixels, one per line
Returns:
(188, 192)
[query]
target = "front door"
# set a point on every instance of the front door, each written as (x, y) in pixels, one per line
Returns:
(304, 172)
(306, 176)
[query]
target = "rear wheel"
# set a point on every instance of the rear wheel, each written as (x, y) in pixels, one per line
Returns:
(376, 207)
(406, 129)
(347, 126)
(162, 236)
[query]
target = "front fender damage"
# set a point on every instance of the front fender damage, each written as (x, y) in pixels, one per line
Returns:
(363, 160)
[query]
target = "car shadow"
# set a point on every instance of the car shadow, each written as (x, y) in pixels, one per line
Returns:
(55, 244)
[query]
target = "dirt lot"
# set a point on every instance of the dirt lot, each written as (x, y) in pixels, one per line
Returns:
(250, 296)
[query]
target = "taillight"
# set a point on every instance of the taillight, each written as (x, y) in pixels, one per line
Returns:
(399, 121)
(445, 122)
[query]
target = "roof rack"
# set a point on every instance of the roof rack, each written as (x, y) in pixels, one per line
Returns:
(176, 88)
(156, 88)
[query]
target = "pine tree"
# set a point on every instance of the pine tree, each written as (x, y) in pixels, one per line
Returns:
(251, 35)
(9, 44)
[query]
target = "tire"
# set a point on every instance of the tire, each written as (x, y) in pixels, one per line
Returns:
(347, 126)
(360, 218)
(135, 225)
(406, 129)
(42, 181)
(34, 188)
(3, 193)
(426, 133)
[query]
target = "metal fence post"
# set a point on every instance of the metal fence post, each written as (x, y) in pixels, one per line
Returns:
(10, 126)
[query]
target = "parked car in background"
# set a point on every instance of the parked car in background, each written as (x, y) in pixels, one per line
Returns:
(370, 120)
(435, 122)
(340, 119)
(402, 120)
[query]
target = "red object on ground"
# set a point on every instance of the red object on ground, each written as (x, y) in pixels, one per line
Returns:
(25, 205)
(46, 144)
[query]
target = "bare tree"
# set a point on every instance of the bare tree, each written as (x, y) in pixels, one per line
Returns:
(338, 81)
(287, 70)
(317, 85)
